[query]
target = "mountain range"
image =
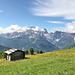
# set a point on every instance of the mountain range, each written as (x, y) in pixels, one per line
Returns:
(38, 39)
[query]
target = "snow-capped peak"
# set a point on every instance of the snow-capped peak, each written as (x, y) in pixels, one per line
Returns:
(16, 28)
(57, 40)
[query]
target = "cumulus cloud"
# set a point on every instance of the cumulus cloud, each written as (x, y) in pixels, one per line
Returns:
(55, 8)
(36, 29)
(70, 27)
(57, 22)
(13, 28)
(16, 28)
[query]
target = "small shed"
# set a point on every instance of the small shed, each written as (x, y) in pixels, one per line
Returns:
(14, 54)
(35, 53)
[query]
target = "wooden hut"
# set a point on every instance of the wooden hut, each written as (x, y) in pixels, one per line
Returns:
(14, 54)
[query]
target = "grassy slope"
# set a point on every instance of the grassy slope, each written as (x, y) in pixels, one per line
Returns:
(51, 63)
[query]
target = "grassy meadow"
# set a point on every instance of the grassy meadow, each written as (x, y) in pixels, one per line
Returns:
(60, 62)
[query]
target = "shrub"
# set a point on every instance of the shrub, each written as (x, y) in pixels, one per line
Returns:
(74, 45)
(41, 52)
(2, 54)
(37, 52)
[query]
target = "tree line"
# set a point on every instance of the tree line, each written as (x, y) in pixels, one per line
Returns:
(31, 51)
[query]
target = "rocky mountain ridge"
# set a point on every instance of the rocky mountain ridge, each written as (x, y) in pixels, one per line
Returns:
(38, 39)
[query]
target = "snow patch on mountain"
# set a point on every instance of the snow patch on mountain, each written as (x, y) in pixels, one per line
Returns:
(57, 40)
(74, 38)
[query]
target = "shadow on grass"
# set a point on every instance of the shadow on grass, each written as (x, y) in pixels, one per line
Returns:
(21, 59)
(26, 58)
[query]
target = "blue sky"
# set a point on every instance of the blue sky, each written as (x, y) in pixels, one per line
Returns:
(50, 14)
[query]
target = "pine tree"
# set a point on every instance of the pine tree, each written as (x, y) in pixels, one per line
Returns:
(26, 51)
(31, 51)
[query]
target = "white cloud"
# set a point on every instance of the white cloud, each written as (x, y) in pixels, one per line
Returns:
(1, 11)
(16, 28)
(36, 29)
(70, 27)
(13, 28)
(57, 22)
(1, 30)
(35, 3)
(55, 8)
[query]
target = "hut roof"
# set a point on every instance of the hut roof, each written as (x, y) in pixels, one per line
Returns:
(10, 51)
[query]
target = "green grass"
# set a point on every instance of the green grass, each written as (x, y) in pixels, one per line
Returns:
(60, 62)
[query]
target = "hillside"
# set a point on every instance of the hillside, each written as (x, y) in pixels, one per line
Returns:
(60, 62)
(26, 43)
(3, 47)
